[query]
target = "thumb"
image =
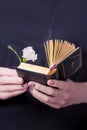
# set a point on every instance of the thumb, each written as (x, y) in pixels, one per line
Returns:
(57, 84)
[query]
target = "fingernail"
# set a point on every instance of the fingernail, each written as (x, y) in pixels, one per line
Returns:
(25, 85)
(31, 87)
(50, 82)
(20, 80)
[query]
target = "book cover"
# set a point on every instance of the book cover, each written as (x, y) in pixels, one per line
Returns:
(33, 76)
(64, 60)
(70, 65)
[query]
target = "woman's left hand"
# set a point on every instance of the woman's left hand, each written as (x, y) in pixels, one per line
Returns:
(58, 94)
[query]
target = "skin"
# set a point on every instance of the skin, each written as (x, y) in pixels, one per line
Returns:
(10, 84)
(59, 94)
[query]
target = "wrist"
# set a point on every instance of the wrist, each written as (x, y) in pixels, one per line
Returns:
(82, 92)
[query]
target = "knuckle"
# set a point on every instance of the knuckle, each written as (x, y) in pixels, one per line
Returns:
(47, 100)
(55, 106)
(66, 95)
(63, 102)
(38, 87)
(21, 80)
(18, 80)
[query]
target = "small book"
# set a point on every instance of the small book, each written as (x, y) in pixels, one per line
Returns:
(64, 60)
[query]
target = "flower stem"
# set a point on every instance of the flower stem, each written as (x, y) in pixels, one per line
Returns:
(10, 47)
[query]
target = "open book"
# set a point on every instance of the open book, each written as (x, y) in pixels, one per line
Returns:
(63, 58)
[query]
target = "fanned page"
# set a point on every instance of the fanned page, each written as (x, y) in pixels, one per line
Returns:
(63, 57)
(58, 50)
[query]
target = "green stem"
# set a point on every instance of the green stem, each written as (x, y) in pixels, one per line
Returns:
(9, 47)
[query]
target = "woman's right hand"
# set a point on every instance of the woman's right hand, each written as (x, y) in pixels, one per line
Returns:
(10, 84)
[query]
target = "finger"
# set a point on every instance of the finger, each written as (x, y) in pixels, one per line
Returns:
(56, 106)
(7, 95)
(10, 88)
(10, 80)
(44, 89)
(55, 102)
(48, 100)
(61, 100)
(9, 72)
(40, 96)
(57, 84)
(49, 90)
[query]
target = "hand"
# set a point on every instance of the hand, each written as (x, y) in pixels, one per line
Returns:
(59, 93)
(10, 84)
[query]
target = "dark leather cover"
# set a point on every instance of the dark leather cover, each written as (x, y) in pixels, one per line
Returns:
(33, 76)
(70, 65)
(66, 69)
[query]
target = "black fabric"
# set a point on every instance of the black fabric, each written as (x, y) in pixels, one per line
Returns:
(29, 23)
